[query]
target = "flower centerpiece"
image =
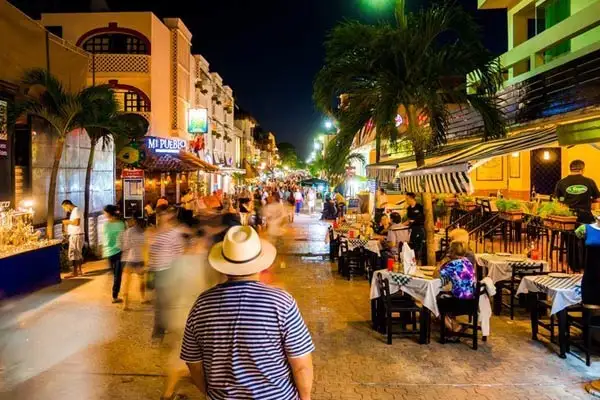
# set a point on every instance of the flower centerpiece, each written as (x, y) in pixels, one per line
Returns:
(510, 210)
(557, 216)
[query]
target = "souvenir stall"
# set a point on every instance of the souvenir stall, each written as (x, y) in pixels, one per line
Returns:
(27, 263)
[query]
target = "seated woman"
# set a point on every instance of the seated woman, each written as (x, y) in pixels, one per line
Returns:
(460, 273)
(461, 235)
(329, 210)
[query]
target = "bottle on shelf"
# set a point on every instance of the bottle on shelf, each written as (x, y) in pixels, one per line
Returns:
(533, 193)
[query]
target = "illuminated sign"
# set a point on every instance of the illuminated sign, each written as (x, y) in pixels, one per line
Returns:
(163, 145)
(197, 120)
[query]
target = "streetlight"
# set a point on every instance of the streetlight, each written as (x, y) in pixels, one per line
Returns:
(317, 145)
(328, 124)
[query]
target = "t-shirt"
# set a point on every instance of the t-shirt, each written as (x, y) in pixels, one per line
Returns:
(164, 247)
(577, 192)
(416, 214)
(243, 333)
(398, 233)
(113, 231)
(298, 196)
(134, 241)
(75, 229)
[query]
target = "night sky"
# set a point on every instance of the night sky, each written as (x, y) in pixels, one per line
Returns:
(269, 51)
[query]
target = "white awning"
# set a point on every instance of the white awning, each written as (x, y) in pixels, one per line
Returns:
(451, 174)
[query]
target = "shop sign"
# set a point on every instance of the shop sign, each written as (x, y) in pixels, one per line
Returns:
(3, 129)
(197, 120)
(132, 174)
(163, 145)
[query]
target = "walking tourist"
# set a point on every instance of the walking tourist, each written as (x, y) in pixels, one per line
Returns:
(75, 234)
(191, 276)
(578, 192)
(275, 216)
(340, 203)
(311, 198)
(298, 199)
(416, 222)
(134, 243)
(113, 230)
(260, 348)
(164, 246)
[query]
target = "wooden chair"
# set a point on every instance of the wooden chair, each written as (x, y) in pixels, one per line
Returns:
(334, 246)
(459, 307)
(587, 320)
(352, 263)
(519, 270)
(405, 306)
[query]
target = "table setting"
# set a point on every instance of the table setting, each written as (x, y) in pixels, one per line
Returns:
(499, 265)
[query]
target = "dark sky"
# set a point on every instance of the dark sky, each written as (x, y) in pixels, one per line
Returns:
(268, 51)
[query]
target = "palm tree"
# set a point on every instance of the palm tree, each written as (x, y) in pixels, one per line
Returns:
(49, 100)
(333, 164)
(103, 124)
(416, 67)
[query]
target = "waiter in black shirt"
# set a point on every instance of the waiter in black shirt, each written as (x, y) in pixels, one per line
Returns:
(416, 221)
(578, 192)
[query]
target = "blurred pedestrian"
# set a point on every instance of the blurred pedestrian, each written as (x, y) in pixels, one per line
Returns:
(275, 216)
(191, 276)
(75, 234)
(310, 200)
(134, 243)
(260, 347)
(112, 231)
(164, 246)
(162, 201)
(299, 200)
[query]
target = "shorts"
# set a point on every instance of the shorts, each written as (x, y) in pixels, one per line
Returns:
(76, 248)
(136, 266)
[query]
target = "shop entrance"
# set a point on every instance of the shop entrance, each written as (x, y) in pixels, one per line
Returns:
(545, 169)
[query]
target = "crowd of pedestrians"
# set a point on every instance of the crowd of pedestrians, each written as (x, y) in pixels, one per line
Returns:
(203, 266)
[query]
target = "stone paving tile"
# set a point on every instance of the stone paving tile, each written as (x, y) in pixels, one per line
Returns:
(71, 343)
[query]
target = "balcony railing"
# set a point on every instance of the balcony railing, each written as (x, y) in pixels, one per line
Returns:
(529, 58)
(573, 86)
(137, 63)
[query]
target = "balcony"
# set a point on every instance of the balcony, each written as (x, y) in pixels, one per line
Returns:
(119, 63)
(530, 57)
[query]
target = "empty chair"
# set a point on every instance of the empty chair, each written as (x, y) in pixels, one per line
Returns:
(509, 287)
(587, 320)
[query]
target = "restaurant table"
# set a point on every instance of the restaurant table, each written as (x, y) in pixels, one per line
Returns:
(374, 246)
(562, 292)
(424, 290)
(499, 268)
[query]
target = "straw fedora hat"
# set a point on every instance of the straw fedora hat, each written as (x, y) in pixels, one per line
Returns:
(242, 252)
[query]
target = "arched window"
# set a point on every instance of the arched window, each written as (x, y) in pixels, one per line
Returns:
(131, 98)
(116, 43)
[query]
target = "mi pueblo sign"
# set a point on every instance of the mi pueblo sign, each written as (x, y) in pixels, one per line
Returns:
(163, 145)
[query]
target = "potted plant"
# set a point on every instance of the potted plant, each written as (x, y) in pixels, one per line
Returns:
(467, 203)
(449, 200)
(557, 216)
(510, 210)
(216, 134)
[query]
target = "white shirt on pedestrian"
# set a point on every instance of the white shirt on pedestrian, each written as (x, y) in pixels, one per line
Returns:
(75, 229)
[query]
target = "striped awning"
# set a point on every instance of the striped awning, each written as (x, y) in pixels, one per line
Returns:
(451, 174)
(383, 173)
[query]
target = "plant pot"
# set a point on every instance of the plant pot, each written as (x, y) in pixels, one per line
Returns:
(470, 206)
(450, 202)
(561, 223)
(512, 215)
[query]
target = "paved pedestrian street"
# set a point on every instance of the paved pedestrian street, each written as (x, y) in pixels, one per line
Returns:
(70, 342)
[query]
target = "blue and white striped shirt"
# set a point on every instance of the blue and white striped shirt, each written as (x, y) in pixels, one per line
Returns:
(243, 332)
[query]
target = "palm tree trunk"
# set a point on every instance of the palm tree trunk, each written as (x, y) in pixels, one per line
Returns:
(60, 145)
(86, 194)
(377, 148)
(426, 196)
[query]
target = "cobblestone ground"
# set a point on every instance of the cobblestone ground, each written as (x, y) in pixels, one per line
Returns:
(70, 342)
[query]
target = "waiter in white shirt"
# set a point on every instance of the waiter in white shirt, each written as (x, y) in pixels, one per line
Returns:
(75, 231)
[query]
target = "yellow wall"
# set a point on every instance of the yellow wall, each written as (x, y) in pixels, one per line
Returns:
(26, 49)
(160, 78)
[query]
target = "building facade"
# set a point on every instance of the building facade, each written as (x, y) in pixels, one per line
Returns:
(150, 65)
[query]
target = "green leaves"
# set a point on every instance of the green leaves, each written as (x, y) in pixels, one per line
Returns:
(423, 62)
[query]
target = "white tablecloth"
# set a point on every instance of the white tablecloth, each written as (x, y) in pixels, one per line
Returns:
(424, 290)
(563, 292)
(499, 267)
(373, 246)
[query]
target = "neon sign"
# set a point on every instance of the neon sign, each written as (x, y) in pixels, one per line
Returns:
(197, 120)
(163, 145)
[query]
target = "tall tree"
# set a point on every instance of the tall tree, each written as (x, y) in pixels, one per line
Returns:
(416, 67)
(288, 154)
(104, 124)
(49, 100)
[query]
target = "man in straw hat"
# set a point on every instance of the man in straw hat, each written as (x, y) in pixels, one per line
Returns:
(243, 339)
